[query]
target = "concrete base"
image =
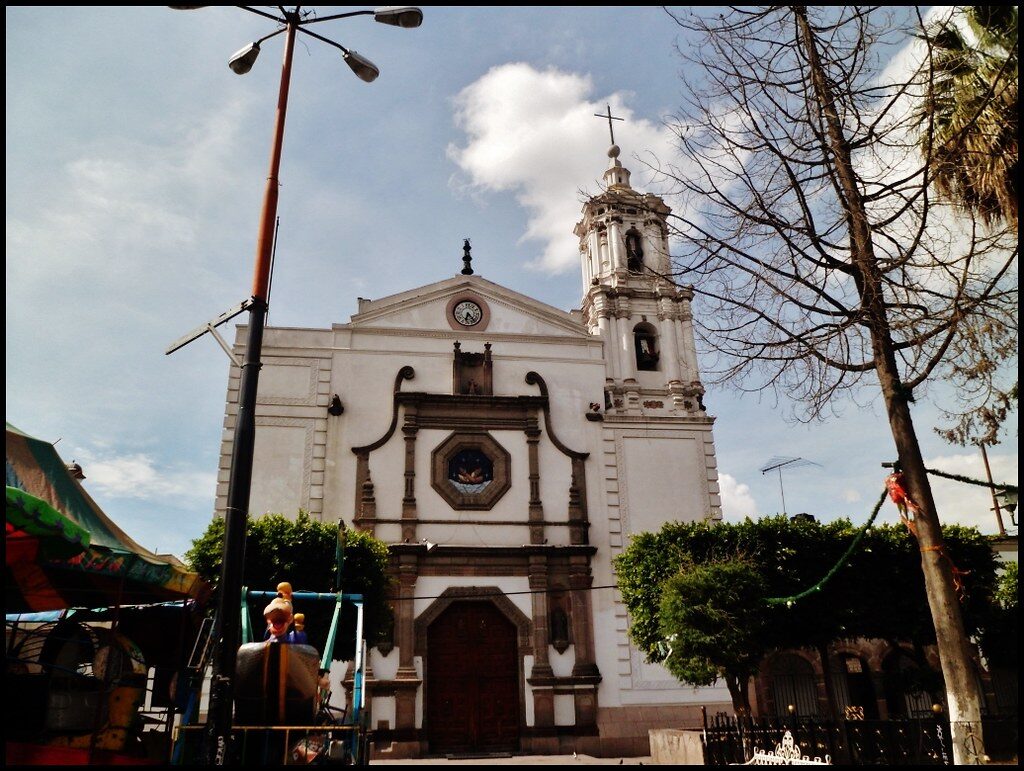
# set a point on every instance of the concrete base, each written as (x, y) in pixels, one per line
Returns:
(672, 747)
(621, 732)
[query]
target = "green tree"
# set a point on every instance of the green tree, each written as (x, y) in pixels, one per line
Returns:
(969, 113)
(714, 621)
(968, 122)
(302, 552)
(687, 583)
(823, 265)
(1000, 638)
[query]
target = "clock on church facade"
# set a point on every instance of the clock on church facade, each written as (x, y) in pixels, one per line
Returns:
(468, 311)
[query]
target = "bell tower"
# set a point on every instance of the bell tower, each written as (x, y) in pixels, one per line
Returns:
(642, 316)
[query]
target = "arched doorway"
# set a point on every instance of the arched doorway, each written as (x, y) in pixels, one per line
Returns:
(910, 690)
(793, 685)
(472, 696)
(851, 683)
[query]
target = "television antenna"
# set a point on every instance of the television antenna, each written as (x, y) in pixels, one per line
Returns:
(779, 463)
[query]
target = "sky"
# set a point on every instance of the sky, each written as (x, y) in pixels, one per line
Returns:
(136, 161)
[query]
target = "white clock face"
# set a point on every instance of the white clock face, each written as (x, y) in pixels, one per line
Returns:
(468, 313)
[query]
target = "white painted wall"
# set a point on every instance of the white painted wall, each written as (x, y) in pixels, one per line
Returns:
(643, 469)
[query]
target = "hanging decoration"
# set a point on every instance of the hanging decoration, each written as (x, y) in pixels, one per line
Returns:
(970, 480)
(790, 601)
(957, 573)
(895, 484)
(895, 488)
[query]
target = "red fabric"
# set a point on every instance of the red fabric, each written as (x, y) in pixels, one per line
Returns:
(895, 484)
(19, 546)
(20, 754)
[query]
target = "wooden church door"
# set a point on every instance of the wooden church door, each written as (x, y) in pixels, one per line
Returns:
(472, 696)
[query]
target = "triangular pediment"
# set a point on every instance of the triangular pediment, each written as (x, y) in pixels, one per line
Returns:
(430, 308)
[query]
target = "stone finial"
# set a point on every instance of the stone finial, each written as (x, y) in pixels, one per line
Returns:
(467, 258)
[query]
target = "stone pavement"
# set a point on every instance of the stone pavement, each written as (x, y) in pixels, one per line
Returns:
(519, 760)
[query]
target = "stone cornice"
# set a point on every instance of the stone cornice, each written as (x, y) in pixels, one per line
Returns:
(476, 553)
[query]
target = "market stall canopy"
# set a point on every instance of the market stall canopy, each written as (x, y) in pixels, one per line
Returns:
(34, 528)
(82, 559)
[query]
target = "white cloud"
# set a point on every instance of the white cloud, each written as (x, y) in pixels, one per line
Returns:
(130, 214)
(851, 496)
(533, 133)
(737, 501)
(968, 504)
(138, 476)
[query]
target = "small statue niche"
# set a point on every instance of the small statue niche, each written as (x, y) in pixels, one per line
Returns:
(559, 622)
(471, 372)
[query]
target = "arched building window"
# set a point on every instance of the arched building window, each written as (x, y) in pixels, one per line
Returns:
(908, 687)
(793, 685)
(1004, 689)
(634, 251)
(851, 684)
(645, 342)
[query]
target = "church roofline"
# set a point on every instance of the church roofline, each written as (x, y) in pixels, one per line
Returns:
(374, 309)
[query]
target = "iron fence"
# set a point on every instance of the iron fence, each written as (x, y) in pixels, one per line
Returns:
(899, 742)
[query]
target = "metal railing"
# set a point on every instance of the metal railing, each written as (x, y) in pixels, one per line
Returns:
(280, 745)
(895, 742)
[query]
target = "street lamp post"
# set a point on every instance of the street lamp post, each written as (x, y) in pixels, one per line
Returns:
(228, 619)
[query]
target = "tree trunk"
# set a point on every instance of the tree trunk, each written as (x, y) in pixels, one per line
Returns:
(739, 692)
(962, 693)
(737, 685)
(830, 691)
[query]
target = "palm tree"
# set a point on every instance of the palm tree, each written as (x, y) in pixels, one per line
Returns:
(969, 113)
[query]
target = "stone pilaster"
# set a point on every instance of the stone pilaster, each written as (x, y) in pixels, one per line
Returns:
(536, 508)
(409, 429)
(543, 697)
(405, 698)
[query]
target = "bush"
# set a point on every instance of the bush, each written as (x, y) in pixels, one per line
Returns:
(302, 552)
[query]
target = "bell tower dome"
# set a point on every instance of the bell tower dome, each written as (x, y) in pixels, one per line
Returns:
(643, 317)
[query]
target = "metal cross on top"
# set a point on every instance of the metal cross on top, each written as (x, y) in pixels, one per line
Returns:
(610, 117)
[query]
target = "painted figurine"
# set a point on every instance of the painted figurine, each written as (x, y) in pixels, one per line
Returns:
(279, 616)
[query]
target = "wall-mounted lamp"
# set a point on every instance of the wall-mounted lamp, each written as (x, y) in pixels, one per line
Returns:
(336, 407)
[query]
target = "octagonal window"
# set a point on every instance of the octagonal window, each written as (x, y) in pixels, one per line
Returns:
(470, 471)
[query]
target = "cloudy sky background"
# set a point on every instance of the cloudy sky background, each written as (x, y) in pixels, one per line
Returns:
(135, 168)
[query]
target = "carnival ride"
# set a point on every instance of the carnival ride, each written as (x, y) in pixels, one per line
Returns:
(107, 643)
(283, 710)
(281, 690)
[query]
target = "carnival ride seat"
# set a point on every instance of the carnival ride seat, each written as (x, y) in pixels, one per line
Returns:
(276, 684)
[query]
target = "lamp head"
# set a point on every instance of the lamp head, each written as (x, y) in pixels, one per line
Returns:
(243, 59)
(1008, 499)
(407, 16)
(364, 69)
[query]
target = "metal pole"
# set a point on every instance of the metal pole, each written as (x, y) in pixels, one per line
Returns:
(226, 632)
(992, 486)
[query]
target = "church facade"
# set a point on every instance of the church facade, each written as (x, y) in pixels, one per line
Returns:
(505, 450)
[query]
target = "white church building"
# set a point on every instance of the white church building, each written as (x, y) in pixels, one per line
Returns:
(505, 450)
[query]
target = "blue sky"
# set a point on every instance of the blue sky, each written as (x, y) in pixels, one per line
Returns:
(135, 168)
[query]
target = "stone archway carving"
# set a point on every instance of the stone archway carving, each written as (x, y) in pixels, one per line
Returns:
(522, 622)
